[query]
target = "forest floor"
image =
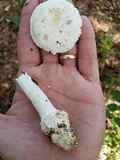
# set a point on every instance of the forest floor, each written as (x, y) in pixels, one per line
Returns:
(105, 17)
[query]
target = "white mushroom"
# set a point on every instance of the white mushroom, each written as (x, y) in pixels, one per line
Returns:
(55, 26)
(54, 123)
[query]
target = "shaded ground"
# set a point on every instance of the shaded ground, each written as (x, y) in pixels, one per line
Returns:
(8, 60)
(105, 17)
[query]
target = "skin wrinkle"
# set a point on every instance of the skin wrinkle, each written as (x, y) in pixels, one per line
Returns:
(18, 99)
(89, 56)
(23, 69)
(49, 58)
(61, 94)
(74, 98)
(30, 64)
(52, 157)
(72, 114)
(89, 77)
(68, 97)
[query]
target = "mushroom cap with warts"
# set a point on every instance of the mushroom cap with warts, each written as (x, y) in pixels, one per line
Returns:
(55, 26)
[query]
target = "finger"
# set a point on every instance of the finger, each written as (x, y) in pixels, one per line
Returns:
(68, 61)
(49, 58)
(28, 53)
(87, 53)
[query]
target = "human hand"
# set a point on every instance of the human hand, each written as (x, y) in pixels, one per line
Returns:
(74, 87)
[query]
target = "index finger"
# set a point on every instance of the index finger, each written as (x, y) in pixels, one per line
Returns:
(28, 52)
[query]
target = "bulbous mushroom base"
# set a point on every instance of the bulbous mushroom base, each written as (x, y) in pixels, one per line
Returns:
(57, 128)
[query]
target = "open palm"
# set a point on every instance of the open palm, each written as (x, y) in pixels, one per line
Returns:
(71, 85)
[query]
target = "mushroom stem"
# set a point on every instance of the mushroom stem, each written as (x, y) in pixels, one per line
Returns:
(54, 123)
(36, 95)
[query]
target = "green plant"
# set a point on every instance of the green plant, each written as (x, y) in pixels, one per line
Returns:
(111, 146)
(15, 67)
(16, 18)
(21, 3)
(112, 140)
(112, 134)
(113, 109)
(16, 21)
(105, 44)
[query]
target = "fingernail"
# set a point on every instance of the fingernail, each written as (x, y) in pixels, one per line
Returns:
(26, 3)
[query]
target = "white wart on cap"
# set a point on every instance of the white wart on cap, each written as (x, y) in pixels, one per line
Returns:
(55, 26)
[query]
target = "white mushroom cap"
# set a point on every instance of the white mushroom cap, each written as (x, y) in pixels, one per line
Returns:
(55, 26)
